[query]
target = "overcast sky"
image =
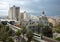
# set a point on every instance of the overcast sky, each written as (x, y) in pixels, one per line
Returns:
(35, 7)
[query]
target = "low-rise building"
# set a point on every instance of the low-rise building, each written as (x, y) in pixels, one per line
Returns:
(53, 21)
(32, 25)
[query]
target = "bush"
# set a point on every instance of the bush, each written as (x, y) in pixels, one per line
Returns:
(58, 39)
(9, 39)
(47, 32)
(58, 31)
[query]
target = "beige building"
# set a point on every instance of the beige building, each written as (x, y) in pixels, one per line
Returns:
(58, 20)
(53, 21)
(14, 13)
(24, 15)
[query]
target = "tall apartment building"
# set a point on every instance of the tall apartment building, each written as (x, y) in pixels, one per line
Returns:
(14, 13)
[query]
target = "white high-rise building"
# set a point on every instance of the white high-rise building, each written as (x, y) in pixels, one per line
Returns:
(14, 13)
(24, 16)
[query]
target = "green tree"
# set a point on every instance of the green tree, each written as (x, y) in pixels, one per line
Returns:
(58, 39)
(5, 33)
(47, 31)
(40, 27)
(4, 36)
(24, 30)
(10, 32)
(29, 35)
(0, 25)
(57, 29)
(18, 33)
(7, 28)
(9, 39)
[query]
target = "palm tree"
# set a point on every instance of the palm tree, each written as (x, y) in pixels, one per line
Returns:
(10, 31)
(40, 28)
(4, 23)
(18, 33)
(29, 35)
(24, 30)
(7, 28)
(47, 31)
(4, 34)
(9, 39)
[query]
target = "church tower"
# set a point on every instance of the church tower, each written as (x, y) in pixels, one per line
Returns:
(43, 13)
(44, 19)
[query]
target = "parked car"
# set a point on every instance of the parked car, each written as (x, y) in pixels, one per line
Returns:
(12, 22)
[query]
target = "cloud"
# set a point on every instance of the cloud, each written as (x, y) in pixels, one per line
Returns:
(31, 6)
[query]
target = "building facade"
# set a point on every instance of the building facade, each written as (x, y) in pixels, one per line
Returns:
(53, 21)
(14, 13)
(33, 25)
(43, 19)
(24, 15)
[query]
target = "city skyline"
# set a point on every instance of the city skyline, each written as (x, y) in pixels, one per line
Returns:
(34, 7)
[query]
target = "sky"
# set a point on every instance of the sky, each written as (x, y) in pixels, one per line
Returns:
(34, 7)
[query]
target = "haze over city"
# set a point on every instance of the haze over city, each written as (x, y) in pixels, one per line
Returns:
(34, 7)
(29, 20)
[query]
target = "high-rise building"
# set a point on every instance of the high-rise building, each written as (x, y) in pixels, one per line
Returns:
(21, 16)
(24, 16)
(14, 13)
